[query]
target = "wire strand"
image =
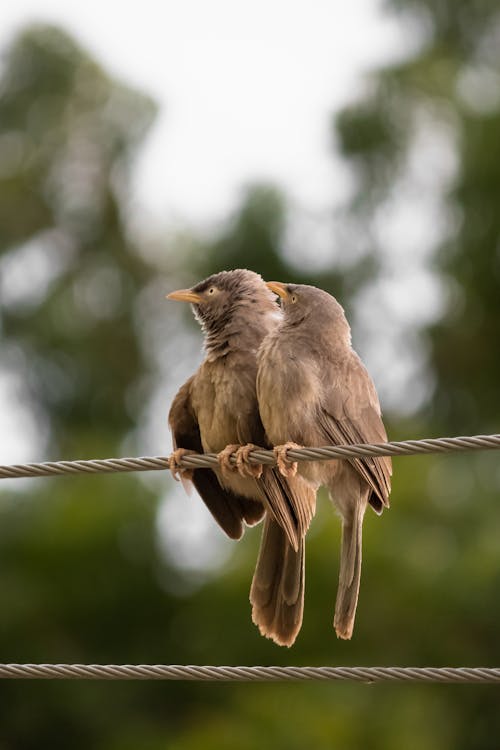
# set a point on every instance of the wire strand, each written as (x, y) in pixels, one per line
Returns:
(252, 673)
(448, 675)
(259, 456)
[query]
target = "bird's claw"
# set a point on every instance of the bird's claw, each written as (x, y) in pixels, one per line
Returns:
(245, 468)
(224, 458)
(241, 463)
(286, 467)
(175, 466)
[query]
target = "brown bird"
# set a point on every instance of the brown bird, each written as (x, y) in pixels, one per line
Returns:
(313, 389)
(216, 411)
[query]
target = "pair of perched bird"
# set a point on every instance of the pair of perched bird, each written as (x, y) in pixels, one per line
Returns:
(278, 377)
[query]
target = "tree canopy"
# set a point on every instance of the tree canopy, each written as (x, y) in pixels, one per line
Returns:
(83, 572)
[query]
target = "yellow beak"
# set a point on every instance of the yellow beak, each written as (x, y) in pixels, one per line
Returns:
(185, 295)
(278, 288)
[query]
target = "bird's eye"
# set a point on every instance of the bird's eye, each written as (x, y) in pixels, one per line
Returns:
(293, 298)
(211, 290)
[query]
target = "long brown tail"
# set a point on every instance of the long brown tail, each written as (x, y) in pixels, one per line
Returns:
(277, 592)
(350, 573)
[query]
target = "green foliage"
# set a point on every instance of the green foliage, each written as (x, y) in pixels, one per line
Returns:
(445, 538)
(81, 575)
(74, 131)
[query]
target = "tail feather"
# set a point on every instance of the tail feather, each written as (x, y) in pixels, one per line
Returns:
(277, 592)
(349, 574)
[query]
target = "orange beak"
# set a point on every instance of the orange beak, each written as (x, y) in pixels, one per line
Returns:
(185, 295)
(278, 288)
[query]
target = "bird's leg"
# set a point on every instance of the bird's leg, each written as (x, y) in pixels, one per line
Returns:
(224, 458)
(245, 468)
(241, 463)
(175, 466)
(286, 467)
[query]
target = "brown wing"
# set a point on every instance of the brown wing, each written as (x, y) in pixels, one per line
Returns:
(350, 413)
(228, 509)
(291, 500)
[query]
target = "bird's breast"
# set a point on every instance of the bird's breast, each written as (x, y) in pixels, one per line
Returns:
(225, 404)
(224, 395)
(287, 391)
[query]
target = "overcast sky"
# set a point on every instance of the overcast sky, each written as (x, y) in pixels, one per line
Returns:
(246, 89)
(246, 92)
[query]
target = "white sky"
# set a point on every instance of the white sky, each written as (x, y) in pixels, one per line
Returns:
(246, 92)
(246, 89)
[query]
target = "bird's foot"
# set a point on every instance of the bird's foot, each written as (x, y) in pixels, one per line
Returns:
(175, 466)
(243, 465)
(286, 467)
(224, 458)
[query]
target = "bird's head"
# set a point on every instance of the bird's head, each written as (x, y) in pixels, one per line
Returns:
(301, 303)
(217, 300)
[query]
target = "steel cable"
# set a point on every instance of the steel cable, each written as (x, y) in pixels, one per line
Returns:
(258, 456)
(448, 675)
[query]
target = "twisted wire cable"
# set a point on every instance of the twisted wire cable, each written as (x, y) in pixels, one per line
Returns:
(455, 675)
(448, 675)
(258, 456)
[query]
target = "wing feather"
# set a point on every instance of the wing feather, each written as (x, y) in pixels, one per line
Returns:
(350, 413)
(290, 500)
(228, 508)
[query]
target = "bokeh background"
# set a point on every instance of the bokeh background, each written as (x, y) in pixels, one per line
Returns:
(116, 188)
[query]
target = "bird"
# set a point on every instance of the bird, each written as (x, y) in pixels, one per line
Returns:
(216, 411)
(313, 389)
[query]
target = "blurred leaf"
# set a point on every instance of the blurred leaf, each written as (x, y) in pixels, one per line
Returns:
(81, 574)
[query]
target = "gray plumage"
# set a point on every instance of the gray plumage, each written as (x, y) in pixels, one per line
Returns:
(314, 390)
(217, 407)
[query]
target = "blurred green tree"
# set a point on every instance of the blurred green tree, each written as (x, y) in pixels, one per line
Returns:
(442, 106)
(67, 138)
(74, 556)
(81, 578)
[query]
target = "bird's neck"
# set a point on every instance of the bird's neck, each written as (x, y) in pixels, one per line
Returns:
(331, 330)
(243, 333)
